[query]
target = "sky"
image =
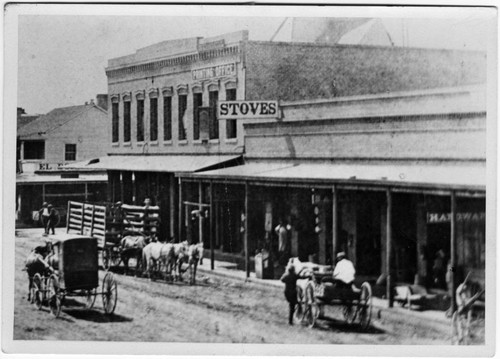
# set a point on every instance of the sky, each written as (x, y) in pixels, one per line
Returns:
(62, 56)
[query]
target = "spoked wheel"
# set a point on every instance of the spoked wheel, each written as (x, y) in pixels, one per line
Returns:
(91, 295)
(459, 329)
(37, 291)
(349, 313)
(115, 258)
(54, 296)
(311, 311)
(364, 309)
(299, 307)
(105, 256)
(109, 293)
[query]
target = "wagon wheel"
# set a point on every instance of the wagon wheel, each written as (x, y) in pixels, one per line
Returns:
(459, 329)
(55, 296)
(299, 307)
(37, 291)
(364, 309)
(311, 308)
(114, 256)
(321, 310)
(349, 312)
(109, 293)
(91, 295)
(105, 256)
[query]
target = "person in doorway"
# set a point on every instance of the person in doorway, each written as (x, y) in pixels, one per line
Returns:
(439, 270)
(282, 233)
(44, 216)
(52, 220)
(290, 278)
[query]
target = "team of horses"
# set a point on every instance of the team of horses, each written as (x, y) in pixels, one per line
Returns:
(166, 259)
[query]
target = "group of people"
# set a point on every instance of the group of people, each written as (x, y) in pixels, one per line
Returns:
(48, 217)
(342, 278)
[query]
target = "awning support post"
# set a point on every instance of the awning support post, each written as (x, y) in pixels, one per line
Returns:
(247, 254)
(121, 187)
(212, 216)
(200, 214)
(179, 238)
(334, 223)
(453, 251)
(134, 190)
(389, 292)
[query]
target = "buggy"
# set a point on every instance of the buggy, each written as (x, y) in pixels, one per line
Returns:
(313, 295)
(75, 274)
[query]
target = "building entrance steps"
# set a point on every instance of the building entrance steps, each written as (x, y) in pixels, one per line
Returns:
(380, 305)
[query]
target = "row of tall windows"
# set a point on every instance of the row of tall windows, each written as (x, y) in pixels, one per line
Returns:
(213, 125)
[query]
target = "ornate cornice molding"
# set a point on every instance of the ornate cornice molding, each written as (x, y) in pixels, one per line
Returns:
(175, 61)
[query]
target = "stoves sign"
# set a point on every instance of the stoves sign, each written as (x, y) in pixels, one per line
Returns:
(247, 109)
(461, 217)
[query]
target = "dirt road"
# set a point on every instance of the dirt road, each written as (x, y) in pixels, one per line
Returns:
(215, 310)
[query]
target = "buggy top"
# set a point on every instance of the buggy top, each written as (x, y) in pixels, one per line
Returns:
(77, 261)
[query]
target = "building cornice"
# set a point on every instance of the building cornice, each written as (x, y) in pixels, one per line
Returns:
(113, 72)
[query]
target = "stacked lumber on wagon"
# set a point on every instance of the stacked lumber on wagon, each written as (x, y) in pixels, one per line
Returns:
(110, 222)
(141, 219)
(86, 219)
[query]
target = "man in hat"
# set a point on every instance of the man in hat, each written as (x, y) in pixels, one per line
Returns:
(44, 215)
(344, 271)
(343, 274)
(36, 263)
(52, 220)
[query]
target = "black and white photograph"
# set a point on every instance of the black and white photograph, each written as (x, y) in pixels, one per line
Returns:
(250, 179)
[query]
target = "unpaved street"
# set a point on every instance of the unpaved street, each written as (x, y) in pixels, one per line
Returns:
(215, 310)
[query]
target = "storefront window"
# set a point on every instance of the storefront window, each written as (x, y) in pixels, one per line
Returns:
(182, 112)
(126, 121)
(231, 123)
(214, 123)
(140, 120)
(167, 118)
(34, 150)
(153, 119)
(197, 103)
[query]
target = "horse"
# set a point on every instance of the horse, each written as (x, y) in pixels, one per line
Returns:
(155, 254)
(35, 263)
(180, 256)
(131, 246)
(195, 256)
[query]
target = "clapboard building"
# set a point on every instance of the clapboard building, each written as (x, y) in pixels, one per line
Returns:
(62, 136)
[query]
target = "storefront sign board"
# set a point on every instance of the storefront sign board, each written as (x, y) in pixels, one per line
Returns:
(247, 109)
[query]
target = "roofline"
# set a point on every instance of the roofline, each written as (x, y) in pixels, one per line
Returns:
(85, 109)
(336, 45)
(460, 90)
(475, 190)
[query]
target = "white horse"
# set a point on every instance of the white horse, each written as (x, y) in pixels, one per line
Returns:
(155, 255)
(195, 256)
(180, 256)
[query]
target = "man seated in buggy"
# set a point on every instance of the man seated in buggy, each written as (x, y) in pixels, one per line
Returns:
(343, 273)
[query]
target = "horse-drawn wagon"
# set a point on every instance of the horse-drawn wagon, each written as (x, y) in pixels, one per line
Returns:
(110, 223)
(313, 294)
(75, 274)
